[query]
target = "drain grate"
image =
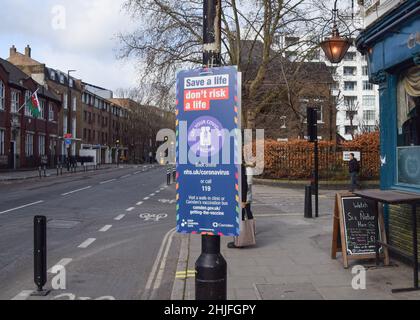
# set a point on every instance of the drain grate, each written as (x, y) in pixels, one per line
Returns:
(62, 224)
(288, 291)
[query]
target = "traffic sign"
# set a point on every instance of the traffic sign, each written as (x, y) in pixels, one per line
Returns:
(208, 156)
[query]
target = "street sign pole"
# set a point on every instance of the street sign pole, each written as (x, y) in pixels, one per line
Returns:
(211, 267)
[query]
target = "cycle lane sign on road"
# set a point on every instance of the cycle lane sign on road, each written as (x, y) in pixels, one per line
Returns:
(208, 151)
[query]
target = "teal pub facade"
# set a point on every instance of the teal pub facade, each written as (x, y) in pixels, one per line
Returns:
(391, 42)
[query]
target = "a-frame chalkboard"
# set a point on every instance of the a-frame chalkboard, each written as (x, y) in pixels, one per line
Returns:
(354, 231)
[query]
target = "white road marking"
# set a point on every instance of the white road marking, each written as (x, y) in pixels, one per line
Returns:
(108, 181)
(146, 198)
(152, 195)
(87, 243)
(155, 265)
(74, 191)
(157, 191)
(126, 176)
(130, 209)
(62, 262)
(163, 263)
(24, 206)
(106, 228)
(139, 203)
(137, 172)
(120, 217)
(23, 295)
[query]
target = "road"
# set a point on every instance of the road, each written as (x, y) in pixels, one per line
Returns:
(111, 230)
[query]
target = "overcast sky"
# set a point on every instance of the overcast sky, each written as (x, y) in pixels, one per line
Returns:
(85, 42)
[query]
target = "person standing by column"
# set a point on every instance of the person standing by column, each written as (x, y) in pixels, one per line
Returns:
(354, 169)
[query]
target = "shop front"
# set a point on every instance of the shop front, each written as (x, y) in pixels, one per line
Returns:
(392, 46)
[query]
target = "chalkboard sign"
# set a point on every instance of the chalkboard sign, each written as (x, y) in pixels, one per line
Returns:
(359, 225)
(354, 230)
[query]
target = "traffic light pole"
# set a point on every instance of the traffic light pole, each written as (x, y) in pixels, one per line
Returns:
(316, 178)
(211, 267)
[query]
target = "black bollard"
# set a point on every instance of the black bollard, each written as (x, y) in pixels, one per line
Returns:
(174, 175)
(61, 170)
(39, 172)
(168, 177)
(40, 255)
(308, 202)
(57, 171)
(45, 171)
(211, 270)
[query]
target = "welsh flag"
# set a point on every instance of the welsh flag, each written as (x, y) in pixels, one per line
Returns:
(33, 104)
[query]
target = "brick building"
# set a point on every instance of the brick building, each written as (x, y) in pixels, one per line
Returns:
(67, 88)
(26, 141)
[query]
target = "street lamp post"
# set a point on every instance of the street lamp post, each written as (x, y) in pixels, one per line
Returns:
(211, 267)
(336, 46)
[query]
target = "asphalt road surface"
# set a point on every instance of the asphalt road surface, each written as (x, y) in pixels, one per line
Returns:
(111, 230)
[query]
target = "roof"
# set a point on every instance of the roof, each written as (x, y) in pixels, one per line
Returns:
(16, 76)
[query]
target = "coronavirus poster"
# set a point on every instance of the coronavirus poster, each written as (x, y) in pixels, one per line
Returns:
(208, 151)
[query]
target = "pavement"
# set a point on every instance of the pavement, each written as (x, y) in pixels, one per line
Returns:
(292, 259)
(9, 176)
(110, 235)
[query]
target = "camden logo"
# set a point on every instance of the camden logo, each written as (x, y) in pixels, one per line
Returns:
(221, 225)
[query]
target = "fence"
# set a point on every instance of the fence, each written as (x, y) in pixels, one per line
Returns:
(296, 160)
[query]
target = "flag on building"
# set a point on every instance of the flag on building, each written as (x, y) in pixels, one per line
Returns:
(33, 104)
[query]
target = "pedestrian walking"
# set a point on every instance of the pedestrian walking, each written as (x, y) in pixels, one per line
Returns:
(247, 234)
(354, 169)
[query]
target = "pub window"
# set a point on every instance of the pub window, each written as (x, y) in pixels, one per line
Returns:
(408, 127)
(29, 145)
(15, 101)
(41, 145)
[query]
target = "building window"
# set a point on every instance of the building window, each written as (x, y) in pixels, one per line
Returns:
(2, 141)
(365, 70)
(368, 101)
(51, 112)
(74, 103)
(14, 105)
(349, 71)
(62, 78)
(52, 75)
(71, 83)
(350, 56)
(350, 129)
(65, 101)
(350, 101)
(408, 128)
(319, 114)
(84, 133)
(291, 41)
(369, 115)
(41, 145)
(85, 115)
(2, 95)
(27, 110)
(350, 115)
(350, 85)
(367, 86)
(42, 109)
(29, 145)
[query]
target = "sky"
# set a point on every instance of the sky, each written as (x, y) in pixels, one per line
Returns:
(71, 34)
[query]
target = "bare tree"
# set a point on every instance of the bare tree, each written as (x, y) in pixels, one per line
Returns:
(169, 38)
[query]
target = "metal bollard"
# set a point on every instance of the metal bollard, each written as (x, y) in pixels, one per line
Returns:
(57, 171)
(45, 171)
(174, 175)
(40, 255)
(39, 172)
(168, 177)
(211, 271)
(308, 202)
(61, 170)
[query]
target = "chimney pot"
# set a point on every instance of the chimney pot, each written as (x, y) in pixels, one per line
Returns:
(28, 51)
(12, 50)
